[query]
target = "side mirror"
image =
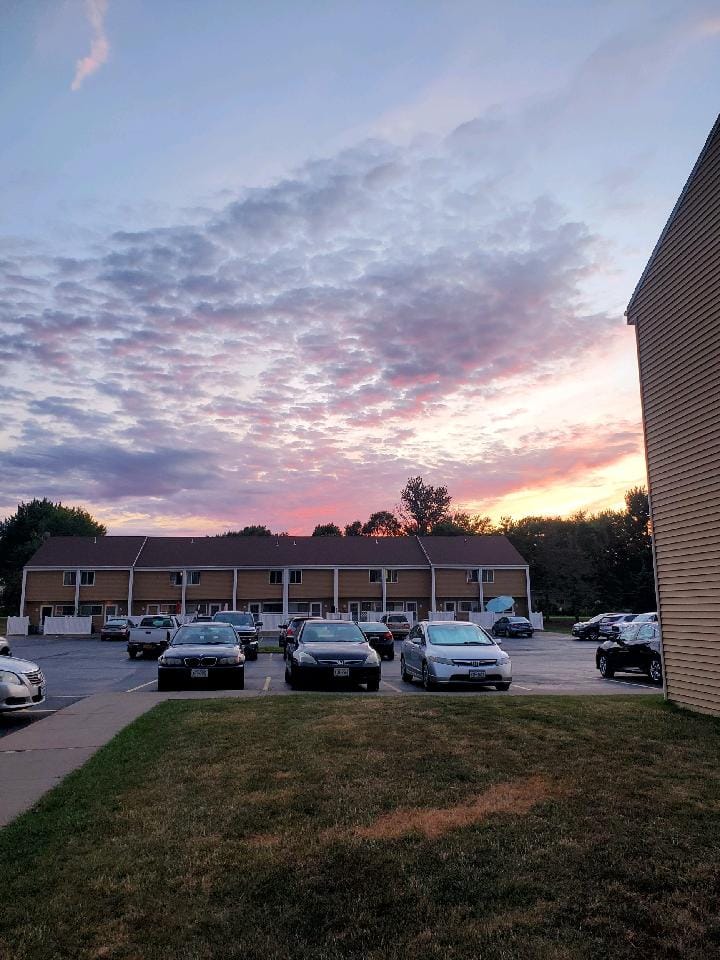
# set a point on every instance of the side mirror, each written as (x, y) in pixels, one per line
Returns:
(258, 623)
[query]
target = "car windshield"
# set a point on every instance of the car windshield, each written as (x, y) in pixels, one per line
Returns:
(518, 620)
(116, 622)
(454, 635)
(332, 632)
(165, 622)
(236, 619)
(205, 634)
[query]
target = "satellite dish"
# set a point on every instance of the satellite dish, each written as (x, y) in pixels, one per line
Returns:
(499, 604)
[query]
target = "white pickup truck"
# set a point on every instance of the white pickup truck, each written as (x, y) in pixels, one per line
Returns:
(152, 636)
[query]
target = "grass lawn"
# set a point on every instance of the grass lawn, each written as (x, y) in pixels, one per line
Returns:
(378, 827)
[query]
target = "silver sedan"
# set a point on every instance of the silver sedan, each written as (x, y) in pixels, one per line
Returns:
(22, 684)
(449, 651)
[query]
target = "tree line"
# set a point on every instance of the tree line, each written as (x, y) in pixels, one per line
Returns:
(579, 565)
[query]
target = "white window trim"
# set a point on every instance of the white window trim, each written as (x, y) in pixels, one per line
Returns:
(66, 574)
(295, 577)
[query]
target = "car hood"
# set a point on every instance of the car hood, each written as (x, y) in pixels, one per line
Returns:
(466, 652)
(16, 665)
(203, 650)
(338, 651)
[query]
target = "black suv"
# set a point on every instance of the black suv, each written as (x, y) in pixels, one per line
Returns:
(635, 650)
(590, 629)
(246, 627)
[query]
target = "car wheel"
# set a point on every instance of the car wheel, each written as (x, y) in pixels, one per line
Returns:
(373, 685)
(605, 668)
(656, 674)
(132, 654)
(404, 675)
(502, 686)
(427, 681)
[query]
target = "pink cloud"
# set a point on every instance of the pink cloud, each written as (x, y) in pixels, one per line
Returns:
(99, 44)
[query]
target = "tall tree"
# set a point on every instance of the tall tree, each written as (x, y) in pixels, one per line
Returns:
(461, 524)
(254, 530)
(382, 523)
(23, 532)
(327, 530)
(423, 505)
(353, 529)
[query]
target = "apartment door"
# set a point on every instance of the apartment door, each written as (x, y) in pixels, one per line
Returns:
(315, 608)
(45, 612)
(215, 608)
(354, 608)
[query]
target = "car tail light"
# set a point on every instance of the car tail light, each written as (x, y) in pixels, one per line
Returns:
(388, 636)
(289, 632)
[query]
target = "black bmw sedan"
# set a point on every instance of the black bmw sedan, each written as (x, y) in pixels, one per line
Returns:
(635, 650)
(331, 651)
(203, 654)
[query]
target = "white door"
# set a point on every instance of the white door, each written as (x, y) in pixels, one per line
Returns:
(254, 608)
(354, 608)
(316, 608)
(215, 608)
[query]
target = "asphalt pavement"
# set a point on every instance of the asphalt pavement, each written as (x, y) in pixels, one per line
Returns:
(78, 667)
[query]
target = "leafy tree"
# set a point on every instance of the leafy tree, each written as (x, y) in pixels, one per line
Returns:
(327, 530)
(461, 524)
(353, 529)
(23, 532)
(382, 523)
(423, 506)
(254, 530)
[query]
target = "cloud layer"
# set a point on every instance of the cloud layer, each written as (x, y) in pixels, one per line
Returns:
(99, 44)
(294, 356)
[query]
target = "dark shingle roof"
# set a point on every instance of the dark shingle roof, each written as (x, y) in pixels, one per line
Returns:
(87, 552)
(201, 552)
(485, 551)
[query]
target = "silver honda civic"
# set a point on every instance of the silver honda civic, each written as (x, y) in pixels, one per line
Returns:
(451, 651)
(22, 684)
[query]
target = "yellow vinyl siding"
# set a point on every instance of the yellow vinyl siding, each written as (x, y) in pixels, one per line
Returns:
(255, 585)
(411, 585)
(676, 312)
(507, 582)
(214, 585)
(355, 585)
(155, 586)
(110, 586)
(47, 586)
(316, 585)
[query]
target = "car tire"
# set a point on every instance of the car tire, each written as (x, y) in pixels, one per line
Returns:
(427, 682)
(291, 677)
(373, 685)
(502, 686)
(132, 654)
(606, 670)
(655, 671)
(404, 675)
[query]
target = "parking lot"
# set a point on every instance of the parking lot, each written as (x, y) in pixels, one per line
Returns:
(76, 667)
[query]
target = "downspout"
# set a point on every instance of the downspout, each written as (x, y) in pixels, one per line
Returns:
(432, 575)
(131, 578)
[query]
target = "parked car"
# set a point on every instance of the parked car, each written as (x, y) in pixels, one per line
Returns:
(4, 647)
(450, 651)
(331, 651)
(398, 624)
(246, 627)
(380, 638)
(210, 653)
(22, 684)
(202, 618)
(117, 628)
(635, 650)
(590, 629)
(291, 629)
(152, 636)
(512, 627)
(637, 618)
(620, 620)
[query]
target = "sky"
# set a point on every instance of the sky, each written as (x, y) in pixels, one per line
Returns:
(261, 263)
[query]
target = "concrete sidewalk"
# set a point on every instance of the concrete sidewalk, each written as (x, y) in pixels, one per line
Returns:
(36, 758)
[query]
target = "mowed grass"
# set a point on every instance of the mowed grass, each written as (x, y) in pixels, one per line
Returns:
(357, 826)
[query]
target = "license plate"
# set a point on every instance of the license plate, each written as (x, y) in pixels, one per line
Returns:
(148, 646)
(341, 672)
(477, 674)
(198, 672)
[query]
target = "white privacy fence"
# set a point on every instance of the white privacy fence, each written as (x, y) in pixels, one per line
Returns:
(79, 626)
(17, 626)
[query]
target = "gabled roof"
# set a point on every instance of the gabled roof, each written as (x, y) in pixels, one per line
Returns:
(712, 137)
(87, 552)
(202, 552)
(485, 551)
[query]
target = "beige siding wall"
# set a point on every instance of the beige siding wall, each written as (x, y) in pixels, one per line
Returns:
(214, 585)
(316, 585)
(451, 584)
(110, 586)
(154, 585)
(507, 582)
(47, 585)
(411, 585)
(255, 585)
(355, 585)
(677, 317)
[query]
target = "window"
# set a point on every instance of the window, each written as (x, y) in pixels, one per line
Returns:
(193, 577)
(111, 610)
(90, 610)
(375, 576)
(371, 606)
(276, 576)
(471, 576)
(296, 576)
(468, 606)
(69, 578)
(87, 578)
(64, 610)
(488, 576)
(272, 608)
(391, 576)
(176, 578)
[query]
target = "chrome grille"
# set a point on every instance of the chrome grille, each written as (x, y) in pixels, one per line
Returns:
(200, 661)
(474, 663)
(340, 663)
(35, 677)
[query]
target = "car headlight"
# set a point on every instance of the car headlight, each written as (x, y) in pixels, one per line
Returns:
(444, 660)
(234, 661)
(503, 658)
(303, 657)
(7, 677)
(372, 659)
(170, 661)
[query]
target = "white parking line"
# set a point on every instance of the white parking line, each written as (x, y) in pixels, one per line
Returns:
(521, 687)
(133, 689)
(266, 685)
(392, 687)
(629, 683)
